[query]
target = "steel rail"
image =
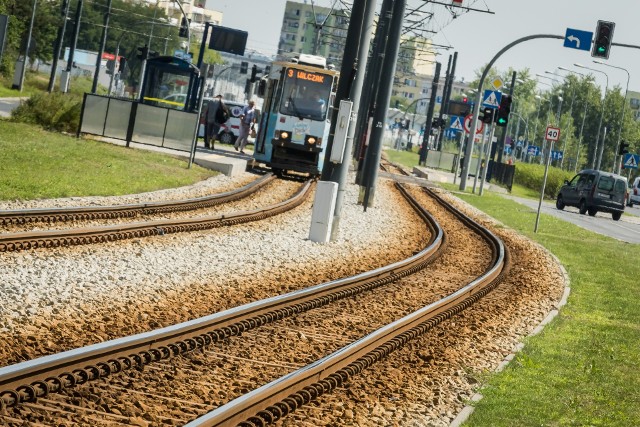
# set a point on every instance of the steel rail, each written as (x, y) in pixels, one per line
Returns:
(11, 242)
(24, 216)
(276, 399)
(27, 381)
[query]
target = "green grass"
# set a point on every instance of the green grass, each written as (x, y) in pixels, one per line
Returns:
(39, 82)
(36, 164)
(583, 369)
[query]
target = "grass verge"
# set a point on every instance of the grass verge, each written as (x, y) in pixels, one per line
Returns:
(582, 370)
(36, 164)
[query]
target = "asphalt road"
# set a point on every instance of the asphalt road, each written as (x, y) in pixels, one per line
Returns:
(627, 229)
(7, 105)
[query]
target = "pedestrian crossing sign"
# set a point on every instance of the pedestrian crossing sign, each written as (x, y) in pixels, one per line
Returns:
(491, 98)
(630, 161)
(456, 123)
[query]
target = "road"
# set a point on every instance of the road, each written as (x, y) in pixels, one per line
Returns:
(7, 105)
(626, 230)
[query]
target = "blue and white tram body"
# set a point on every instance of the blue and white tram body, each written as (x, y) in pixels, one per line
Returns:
(296, 116)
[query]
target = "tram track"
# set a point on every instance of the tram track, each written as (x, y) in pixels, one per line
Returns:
(38, 239)
(162, 348)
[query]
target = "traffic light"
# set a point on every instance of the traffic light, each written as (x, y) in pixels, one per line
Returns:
(406, 124)
(267, 70)
(487, 115)
(143, 52)
(502, 117)
(122, 64)
(465, 99)
(244, 66)
(184, 28)
(603, 39)
(111, 65)
(624, 148)
(254, 71)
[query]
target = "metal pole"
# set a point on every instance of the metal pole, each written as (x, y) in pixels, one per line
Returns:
(59, 42)
(503, 138)
(616, 163)
(601, 148)
(564, 143)
(481, 151)
(486, 161)
(28, 47)
(428, 124)
(443, 105)
(457, 168)
(476, 109)
(194, 141)
(351, 68)
(584, 116)
(372, 80)
(103, 42)
(76, 32)
(382, 102)
(114, 69)
(544, 184)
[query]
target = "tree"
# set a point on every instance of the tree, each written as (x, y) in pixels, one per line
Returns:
(44, 30)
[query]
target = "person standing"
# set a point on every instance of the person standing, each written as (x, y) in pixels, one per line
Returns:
(247, 119)
(215, 116)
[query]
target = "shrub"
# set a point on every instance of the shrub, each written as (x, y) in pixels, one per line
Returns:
(531, 176)
(53, 111)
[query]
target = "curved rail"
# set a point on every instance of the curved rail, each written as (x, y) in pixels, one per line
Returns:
(10, 242)
(275, 400)
(83, 213)
(30, 380)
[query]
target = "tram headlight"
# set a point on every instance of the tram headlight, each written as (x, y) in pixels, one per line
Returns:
(312, 140)
(283, 135)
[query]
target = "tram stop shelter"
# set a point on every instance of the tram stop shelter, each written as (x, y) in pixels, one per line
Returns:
(165, 115)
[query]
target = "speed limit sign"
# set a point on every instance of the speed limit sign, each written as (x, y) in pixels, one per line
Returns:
(552, 134)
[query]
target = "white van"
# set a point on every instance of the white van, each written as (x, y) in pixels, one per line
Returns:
(229, 131)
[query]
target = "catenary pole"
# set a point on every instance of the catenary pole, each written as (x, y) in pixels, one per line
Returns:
(429, 122)
(370, 91)
(59, 43)
(103, 43)
(28, 47)
(382, 102)
(334, 172)
(444, 103)
(74, 43)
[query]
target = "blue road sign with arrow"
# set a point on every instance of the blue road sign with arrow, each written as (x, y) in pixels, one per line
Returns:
(557, 155)
(578, 39)
(533, 150)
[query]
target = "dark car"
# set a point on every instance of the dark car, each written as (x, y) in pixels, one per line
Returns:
(593, 191)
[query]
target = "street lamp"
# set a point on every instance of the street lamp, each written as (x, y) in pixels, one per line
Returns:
(584, 116)
(599, 149)
(616, 164)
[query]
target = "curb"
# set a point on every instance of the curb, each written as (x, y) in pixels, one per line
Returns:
(466, 412)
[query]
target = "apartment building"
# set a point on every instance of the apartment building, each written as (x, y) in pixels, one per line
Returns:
(315, 30)
(199, 11)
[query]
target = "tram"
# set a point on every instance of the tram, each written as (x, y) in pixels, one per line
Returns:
(296, 115)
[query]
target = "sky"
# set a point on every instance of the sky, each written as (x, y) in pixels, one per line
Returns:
(478, 36)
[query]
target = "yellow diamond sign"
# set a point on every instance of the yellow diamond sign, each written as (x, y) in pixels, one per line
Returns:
(497, 83)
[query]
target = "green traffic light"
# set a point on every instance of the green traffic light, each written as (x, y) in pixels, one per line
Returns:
(501, 121)
(601, 49)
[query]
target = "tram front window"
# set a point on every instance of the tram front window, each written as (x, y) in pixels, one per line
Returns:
(306, 94)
